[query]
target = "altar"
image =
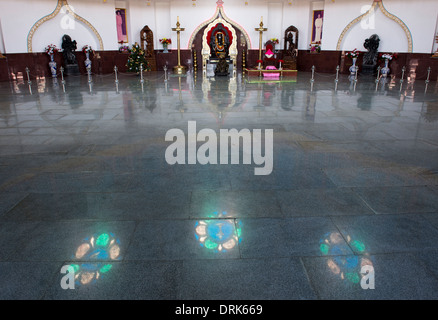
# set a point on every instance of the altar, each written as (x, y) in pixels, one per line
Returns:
(219, 40)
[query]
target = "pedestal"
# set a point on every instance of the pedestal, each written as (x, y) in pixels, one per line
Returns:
(368, 68)
(211, 67)
(72, 70)
(179, 69)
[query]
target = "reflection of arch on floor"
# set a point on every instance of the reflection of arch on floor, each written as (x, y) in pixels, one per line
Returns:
(59, 6)
(387, 14)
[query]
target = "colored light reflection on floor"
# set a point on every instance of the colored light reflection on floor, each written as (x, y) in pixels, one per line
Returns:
(218, 234)
(342, 263)
(96, 252)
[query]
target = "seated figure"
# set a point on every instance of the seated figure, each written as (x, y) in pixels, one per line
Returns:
(222, 66)
(219, 42)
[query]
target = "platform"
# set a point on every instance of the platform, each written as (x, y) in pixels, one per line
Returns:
(253, 72)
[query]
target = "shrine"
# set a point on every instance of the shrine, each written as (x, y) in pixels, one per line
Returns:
(218, 39)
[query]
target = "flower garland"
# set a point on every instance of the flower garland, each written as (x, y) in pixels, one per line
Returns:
(274, 40)
(51, 49)
(353, 54)
(166, 41)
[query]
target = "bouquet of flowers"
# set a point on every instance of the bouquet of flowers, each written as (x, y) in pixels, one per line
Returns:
(274, 40)
(51, 49)
(353, 54)
(87, 49)
(315, 48)
(389, 56)
(124, 49)
(166, 41)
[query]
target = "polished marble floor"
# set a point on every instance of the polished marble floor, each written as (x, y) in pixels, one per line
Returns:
(84, 183)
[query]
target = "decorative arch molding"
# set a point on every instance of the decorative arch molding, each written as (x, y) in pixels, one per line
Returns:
(59, 6)
(220, 14)
(394, 18)
(206, 48)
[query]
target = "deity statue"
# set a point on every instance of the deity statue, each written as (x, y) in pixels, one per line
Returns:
(68, 47)
(371, 44)
(219, 42)
(290, 51)
(222, 66)
(291, 48)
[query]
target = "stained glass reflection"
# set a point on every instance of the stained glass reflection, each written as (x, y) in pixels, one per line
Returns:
(96, 252)
(218, 234)
(342, 263)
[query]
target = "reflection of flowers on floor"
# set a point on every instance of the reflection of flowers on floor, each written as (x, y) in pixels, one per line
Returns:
(342, 263)
(218, 234)
(96, 252)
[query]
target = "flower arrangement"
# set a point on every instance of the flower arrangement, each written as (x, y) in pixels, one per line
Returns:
(274, 40)
(124, 49)
(51, 49)
(388, 56)
(315, 48)
(353, 54)
(166, 41)
(87, 49)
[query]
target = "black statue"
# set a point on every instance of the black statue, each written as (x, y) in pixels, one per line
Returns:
(68, 47)
(219, 42)
(222, 66)
(371, 44)
(290, 51)
(290, 44)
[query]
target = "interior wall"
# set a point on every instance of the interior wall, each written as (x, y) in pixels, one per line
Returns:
(420, 16)
(2, 41)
